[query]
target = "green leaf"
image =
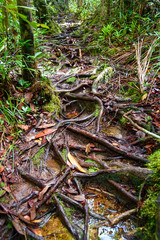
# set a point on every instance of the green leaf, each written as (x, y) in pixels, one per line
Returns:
(90, 161)
(43, 25)
(71, 80)
(93, 169)
(2, 192)
(2, 184)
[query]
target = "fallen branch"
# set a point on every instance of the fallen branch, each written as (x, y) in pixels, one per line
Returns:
(107, 144)
(65, 220)
(140, 128)
(71, 89)
(117, 219)
(53, 188)
(57, 153)
(79, 206)
(31, 179)
(122, 190)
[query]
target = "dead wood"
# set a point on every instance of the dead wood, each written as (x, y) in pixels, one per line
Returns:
(79, 206)
(65, 219)
(32, 195)
(57, 153)
(53, 188)
(83, 148)
(129, 169)
(31, 179)
(77, 185)
(89, 98)
(117, 219)
(107, 144)
(120, 217)
(71, 89)
(123, 191)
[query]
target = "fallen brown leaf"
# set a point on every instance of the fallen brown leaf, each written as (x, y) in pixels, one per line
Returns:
(45, 132)
(75, 163)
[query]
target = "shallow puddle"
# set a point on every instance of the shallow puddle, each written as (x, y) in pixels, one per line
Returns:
(100, 204)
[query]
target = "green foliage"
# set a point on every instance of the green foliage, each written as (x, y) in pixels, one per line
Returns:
(149, 208)
(12, 114)
(2, 192)
(24, 84)
(123, 120)
(131, 91)
(90, 161)
(93, 169)
(71, 80)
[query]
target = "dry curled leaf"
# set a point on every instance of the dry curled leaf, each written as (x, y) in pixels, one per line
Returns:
(75, 163)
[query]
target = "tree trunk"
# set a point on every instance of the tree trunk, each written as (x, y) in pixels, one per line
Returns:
(27, 38)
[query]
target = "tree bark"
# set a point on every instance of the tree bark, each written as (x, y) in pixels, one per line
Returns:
(29, 69)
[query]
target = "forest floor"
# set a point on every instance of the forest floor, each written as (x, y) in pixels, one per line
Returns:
(85, 168)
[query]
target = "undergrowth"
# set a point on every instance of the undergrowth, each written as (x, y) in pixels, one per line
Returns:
(149, 210)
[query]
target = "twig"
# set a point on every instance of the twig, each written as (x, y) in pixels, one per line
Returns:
(79, 206)
(57, 153)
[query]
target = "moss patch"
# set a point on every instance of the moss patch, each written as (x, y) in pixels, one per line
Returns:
(150, 208)
(37, 156)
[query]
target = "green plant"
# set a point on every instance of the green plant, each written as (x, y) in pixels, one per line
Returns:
(149, 207)
(12, 115)
(24, 84)
(107, 32)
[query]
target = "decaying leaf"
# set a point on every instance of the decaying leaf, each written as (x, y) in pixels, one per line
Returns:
(45, 132)
(20, 228)
(1, 168)
(37, 231)
(44, 190)
(32, 136)
(75, 163)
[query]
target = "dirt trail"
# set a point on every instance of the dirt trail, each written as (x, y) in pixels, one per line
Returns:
(85, 166)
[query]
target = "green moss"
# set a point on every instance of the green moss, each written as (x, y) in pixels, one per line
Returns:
(54, 102)
(149, 208)
(37, 156)
(64, 153)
